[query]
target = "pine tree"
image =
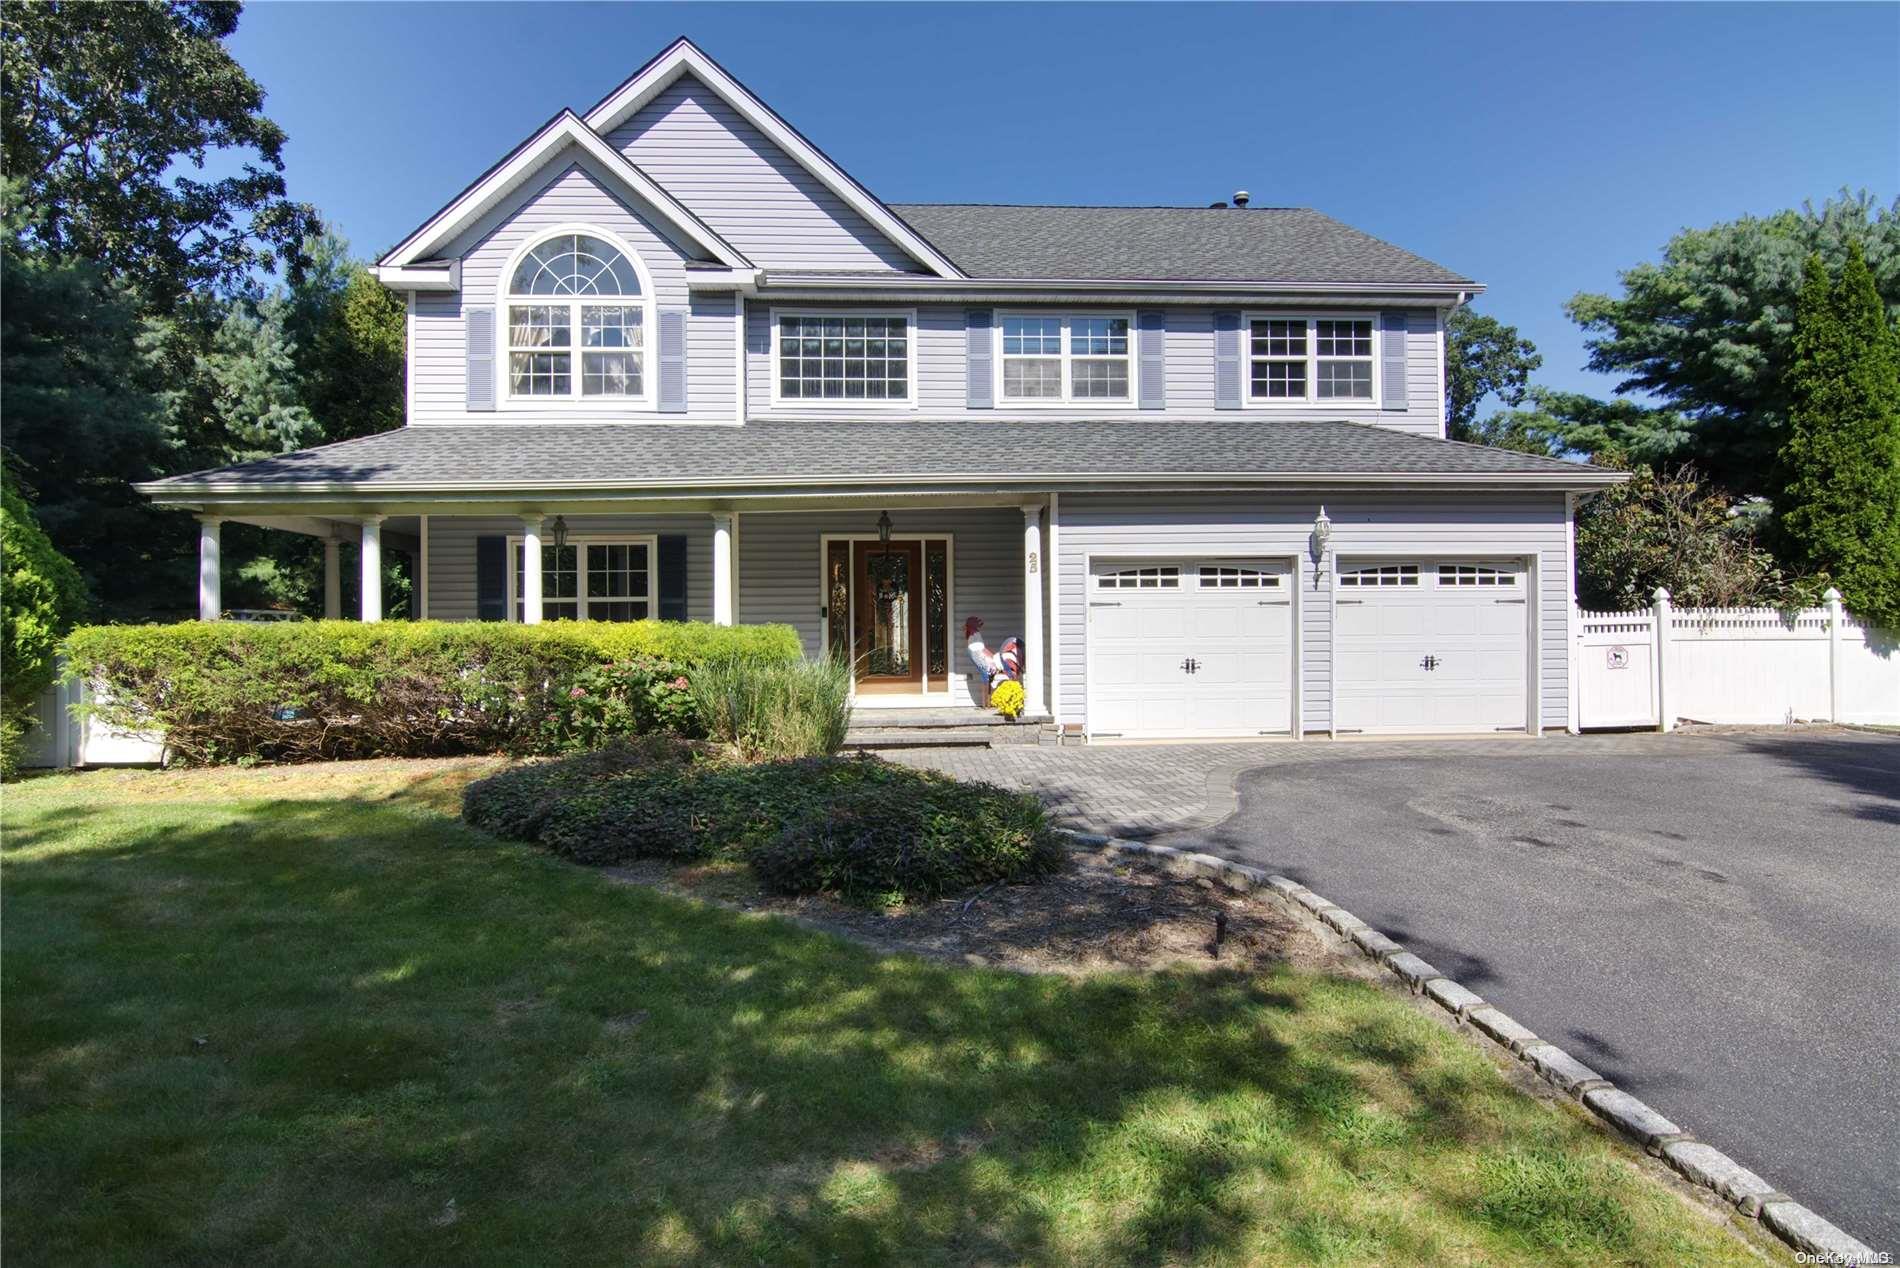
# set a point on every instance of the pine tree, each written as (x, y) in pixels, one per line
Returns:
(1839, 510)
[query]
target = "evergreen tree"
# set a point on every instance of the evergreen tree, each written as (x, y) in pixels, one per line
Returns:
(1839, 509)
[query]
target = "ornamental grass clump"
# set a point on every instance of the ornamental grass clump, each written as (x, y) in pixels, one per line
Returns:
(781, 710)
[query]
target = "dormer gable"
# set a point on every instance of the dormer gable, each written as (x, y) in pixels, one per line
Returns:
(703, 133)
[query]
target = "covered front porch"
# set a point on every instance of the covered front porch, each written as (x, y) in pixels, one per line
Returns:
(887, 586)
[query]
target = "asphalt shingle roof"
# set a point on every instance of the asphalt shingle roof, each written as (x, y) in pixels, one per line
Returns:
(802, 451)
(1257, 244)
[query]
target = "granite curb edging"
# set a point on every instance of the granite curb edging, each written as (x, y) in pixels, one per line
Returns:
(1700, 1164)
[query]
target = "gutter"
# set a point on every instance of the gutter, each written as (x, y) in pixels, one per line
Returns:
(165, 492)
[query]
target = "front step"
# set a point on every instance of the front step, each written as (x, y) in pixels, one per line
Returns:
(873, 729)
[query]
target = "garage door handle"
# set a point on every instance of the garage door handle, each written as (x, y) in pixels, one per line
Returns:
(1104, 605)
(1274, 603)
(1507, 601)
(1347, 602)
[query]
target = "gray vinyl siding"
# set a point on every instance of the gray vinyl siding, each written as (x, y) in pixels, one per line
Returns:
(940, 360)
(1519, 525)
(573, 192)
(780, 570)
(452, 594)
(751, 192)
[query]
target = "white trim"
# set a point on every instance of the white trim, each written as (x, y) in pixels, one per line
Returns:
(1066, 358)
(1035, 556)
(1438, 324)
(723, 583)
(409, 358)
(683, 57)
(885, 699)
(482, 197)
(1296, 653)
(1311, 401)
(413, 279)
(832, 405)
(742, 377)
(580, 541)
(646, 301)
(1445, 294)
(1571, 660)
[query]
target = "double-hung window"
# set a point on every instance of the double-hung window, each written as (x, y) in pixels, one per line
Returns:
(590, 579)
(576, 323)
(1295, 359)
(1057, 358)
(830, 357)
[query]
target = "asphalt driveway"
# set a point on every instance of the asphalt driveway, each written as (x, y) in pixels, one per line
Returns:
(1711, 920)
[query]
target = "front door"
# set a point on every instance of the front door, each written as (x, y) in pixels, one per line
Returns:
(887, 651)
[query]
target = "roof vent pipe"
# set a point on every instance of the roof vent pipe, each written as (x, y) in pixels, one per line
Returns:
(1213, 205)
(1242, 198)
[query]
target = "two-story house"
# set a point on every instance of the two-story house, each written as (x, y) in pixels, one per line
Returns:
(667, 359)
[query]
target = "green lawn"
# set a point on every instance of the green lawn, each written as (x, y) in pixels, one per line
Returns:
(268, 1016)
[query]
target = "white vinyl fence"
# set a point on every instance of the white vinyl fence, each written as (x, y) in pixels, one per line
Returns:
(68, 735)
(1733, 665)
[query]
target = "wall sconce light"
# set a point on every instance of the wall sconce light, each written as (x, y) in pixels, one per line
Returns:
(884, 528)
(1322, 534)
(560, 532)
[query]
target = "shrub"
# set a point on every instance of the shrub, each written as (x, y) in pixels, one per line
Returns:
(775, 711)
(227, 690)
(41, 595)
(858, 827)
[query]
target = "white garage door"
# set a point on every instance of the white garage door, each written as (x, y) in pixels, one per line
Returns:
(1430, 645)
(1190, 647)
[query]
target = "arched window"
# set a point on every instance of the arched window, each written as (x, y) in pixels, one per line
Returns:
(575, 296)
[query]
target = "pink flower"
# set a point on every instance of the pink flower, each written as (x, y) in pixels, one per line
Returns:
(575, 693)
(679, 684)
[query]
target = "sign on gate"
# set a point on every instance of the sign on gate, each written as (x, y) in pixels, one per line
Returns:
(1616, 657)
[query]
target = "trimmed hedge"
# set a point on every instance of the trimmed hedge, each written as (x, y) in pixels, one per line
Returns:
(227, 690)
(867, 830)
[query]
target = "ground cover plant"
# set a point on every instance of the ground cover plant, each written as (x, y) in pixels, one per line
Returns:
(232, 691)
(855, 826)
(301, 1014)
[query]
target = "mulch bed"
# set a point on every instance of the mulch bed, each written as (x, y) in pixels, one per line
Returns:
(1102, 913)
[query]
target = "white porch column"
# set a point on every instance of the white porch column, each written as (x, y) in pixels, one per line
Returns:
(722, 568)
(372, 553)
(1034, 701)
(531, 569)
(332, 579)
(210, 588)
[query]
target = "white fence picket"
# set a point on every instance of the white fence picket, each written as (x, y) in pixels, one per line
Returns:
(1732, 665)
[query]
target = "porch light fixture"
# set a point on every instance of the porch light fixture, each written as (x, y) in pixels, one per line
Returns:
(1322, 533)
(560, 532)
(884, 529)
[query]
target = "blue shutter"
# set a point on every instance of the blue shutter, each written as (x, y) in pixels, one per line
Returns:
(1392, 353)
(1226, 360)
(672, 361)
(978, 360)
(672, 579)
(491, 578)
(478, 336)
(1153, 346)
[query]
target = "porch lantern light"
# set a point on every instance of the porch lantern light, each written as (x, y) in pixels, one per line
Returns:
(884, 529)
(560, 532)
(1322, 533)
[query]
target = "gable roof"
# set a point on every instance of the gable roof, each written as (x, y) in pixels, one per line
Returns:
(1259, 244)
(812, 454)
(521, 163)
(684, 57)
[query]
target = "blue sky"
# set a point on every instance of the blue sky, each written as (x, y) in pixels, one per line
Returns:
(1538, 148)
